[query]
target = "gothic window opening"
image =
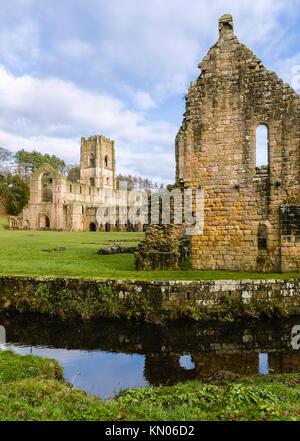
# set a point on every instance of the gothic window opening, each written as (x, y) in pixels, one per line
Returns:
(92, 182)
(47, 187)
(262, 146)
(92, 162)
(106, 161)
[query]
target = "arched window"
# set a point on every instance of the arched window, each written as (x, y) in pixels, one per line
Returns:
(262, 146)
(92, 182)
(107, 181)
(262, 237)
(91, 160)
(46, 187)
(106, 161)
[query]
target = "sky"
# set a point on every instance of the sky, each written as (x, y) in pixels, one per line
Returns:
(120, 68)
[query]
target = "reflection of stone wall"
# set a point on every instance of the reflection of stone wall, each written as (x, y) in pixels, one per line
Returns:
(287, 361)
(290, 238)
(213, 347)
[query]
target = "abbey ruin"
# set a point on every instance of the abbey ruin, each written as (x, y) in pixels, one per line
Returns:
(59, 204)
(251, 210)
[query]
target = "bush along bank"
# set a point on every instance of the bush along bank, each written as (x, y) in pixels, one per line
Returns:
(151, 301)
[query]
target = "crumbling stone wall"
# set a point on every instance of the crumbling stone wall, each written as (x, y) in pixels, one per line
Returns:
(216, 151)
(159, 250)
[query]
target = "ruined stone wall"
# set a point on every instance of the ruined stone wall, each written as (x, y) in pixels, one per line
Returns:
(155, 300)
(290, 238)
(216, 151)
(73, 206)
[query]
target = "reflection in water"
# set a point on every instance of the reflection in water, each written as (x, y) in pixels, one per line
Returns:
(263, 368)
(105, 356)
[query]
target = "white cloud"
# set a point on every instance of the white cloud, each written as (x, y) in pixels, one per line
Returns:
(289, 69)
(20, 33)
(143, 100)
(75, 48)
(113, 68)
(51, 115)
(162, 42)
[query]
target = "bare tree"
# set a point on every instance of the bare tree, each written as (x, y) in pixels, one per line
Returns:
(5, 155)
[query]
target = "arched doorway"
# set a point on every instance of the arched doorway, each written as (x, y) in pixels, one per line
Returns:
(93, 226)
(107, 227)
(44, 222)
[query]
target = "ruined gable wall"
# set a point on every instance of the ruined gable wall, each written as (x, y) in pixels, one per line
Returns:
(215, 150)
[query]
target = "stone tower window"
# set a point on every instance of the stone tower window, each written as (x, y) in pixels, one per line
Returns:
(92, 162)
(92, 182)
(106, 161)
(262, 146)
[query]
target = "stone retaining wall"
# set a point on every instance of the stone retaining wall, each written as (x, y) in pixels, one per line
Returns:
(150, 300)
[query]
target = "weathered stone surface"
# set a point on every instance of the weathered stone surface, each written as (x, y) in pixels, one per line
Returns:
(149, 300)
(216, 151)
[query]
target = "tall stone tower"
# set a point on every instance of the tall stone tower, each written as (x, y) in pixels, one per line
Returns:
(97, 162)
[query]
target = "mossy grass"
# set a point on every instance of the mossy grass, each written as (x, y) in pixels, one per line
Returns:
(32, 388)
(22, 253)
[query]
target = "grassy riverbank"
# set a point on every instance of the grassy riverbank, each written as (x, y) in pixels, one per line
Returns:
(28, 253)
(32, 388)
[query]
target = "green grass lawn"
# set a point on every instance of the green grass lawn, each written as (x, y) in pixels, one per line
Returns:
(21, 253)
(32, 388)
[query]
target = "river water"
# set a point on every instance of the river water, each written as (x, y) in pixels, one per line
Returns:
(103, 357)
